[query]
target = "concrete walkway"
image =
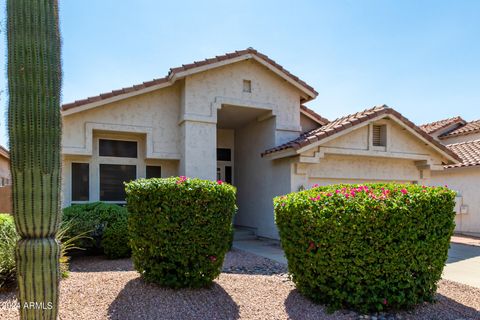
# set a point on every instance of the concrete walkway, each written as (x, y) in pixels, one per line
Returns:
(463, 264)
(266, 248)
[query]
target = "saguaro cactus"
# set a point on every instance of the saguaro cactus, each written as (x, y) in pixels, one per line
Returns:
(34, 83)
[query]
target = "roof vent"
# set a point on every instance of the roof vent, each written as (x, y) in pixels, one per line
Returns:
(379, 135)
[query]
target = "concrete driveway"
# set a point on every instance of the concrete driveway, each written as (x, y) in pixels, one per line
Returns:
(463, 264)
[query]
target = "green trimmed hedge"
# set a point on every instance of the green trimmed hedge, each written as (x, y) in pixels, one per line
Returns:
(105, 226)
(180, 229)
(366, 247)
(8, 240)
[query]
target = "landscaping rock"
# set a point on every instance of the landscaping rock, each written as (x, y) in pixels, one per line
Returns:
(110, 289)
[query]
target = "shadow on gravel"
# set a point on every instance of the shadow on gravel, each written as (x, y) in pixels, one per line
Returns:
(6, 295)
(140, 300)
(99, 264)
(300, 308)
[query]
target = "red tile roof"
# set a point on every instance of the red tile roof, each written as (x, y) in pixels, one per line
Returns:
(352, 120)
(469, 152)
(185, 67)
(468, 128)
(433, 127)
(323, 121)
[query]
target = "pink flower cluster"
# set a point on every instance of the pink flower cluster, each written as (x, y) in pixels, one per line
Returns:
(212, 258)
(352, 192)
(181, 179)
(220, 182)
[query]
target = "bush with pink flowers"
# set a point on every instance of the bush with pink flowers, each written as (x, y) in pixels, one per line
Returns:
(180, 229)
(366, 247)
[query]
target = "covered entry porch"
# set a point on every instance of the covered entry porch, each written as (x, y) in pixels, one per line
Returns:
(243, 133)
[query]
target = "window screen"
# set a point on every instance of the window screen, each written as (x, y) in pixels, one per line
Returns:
(154, 172)
(80, 182)
(117, 148)
(112, 177)
(379, 135)
(224, 154)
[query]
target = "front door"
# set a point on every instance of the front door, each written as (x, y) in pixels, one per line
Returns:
(225, 165)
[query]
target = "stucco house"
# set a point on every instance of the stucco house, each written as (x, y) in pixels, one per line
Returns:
(5, 181)
(463, 138)
(239, 117)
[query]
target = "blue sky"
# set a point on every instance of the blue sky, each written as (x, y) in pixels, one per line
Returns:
(420, 57)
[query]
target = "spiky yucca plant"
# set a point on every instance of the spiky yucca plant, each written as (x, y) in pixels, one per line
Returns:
(34, 83)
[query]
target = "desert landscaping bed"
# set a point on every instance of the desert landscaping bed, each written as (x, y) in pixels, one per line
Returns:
(251, 287)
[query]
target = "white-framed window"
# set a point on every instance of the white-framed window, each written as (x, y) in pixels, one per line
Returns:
(118, 162)
(117, 157)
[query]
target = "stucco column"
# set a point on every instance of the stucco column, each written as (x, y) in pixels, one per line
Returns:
(199, 156)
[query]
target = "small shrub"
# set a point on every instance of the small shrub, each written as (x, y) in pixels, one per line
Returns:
(104, 224)
(180, 229)
(8, 240)
(369, 248)
(114, 238)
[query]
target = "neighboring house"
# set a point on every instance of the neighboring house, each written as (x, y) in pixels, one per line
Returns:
(463, 138)
(5, 178)
(240, 118)
(5, 181)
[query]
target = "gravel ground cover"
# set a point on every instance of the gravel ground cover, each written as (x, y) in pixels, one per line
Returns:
(251, 287)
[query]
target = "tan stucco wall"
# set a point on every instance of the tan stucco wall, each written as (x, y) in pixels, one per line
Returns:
(155, 113)
(350, 169)
(467, 182)
(268, 91)
(357, 139)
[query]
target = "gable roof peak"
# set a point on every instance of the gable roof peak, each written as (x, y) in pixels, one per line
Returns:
(340, 125)
(194, 67)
